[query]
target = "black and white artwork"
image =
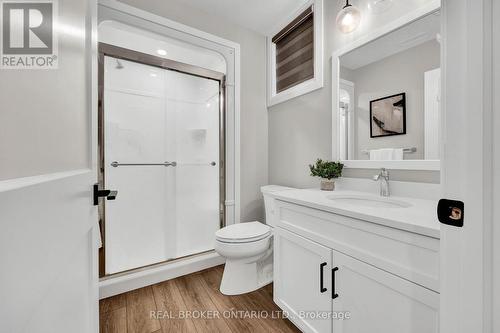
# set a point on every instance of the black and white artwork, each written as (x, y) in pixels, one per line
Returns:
(388, 116)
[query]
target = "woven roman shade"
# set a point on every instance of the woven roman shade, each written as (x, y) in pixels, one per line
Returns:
(295, 51)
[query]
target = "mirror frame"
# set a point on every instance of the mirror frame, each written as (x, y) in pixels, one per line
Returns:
(432, 165)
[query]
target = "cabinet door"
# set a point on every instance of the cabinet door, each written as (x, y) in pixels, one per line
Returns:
(379, 301)
(302, 281)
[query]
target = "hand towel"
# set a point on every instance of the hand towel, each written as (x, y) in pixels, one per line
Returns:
(375, 154)
(398, 154)
(386, 154)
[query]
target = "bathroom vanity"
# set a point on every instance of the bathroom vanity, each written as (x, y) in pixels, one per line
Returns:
(354, 262)
(370, 260)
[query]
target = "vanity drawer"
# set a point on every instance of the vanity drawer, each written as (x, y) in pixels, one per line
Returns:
(411, 256)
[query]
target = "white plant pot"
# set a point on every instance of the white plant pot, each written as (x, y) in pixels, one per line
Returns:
(327, 184)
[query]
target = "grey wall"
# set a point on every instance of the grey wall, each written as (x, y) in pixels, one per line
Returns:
(300, 129)
(44, 113)
(401, 72)
(254, 144)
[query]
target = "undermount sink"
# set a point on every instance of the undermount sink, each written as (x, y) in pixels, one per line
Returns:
(369, 201)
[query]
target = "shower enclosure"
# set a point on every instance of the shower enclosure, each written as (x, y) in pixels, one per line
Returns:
(161, 139)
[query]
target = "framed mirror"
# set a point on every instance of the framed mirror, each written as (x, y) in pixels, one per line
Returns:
(386, 97)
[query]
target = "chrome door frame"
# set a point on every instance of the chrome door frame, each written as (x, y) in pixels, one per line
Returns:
(167, 64)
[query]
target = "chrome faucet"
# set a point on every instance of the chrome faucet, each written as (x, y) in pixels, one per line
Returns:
(383, 177)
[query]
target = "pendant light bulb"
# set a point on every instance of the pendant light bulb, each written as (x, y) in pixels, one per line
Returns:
(348, 18)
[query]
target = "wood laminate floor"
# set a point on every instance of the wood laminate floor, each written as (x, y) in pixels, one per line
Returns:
(192, 303)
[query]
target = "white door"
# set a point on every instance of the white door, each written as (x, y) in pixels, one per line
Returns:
(48, 243)
(377, 301)
(302, 280)
(469, 164)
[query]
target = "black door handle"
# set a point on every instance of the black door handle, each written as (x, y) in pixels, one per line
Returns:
(322, 289)
(112, 195)
(334, 295)
(108, 194)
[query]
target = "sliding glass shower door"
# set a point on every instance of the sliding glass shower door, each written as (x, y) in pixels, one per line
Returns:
(162, 142)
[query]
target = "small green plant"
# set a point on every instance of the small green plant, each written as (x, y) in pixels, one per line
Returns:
(326, 169)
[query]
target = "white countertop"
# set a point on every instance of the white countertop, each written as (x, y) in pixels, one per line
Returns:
(420, 217)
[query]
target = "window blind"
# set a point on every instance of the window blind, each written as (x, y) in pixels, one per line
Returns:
(295, 51)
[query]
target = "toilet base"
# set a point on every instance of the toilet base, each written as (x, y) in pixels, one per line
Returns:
(241, 277)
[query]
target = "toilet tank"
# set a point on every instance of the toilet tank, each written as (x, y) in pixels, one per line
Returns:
(267, 192)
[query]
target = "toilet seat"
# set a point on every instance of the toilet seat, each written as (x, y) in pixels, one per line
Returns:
(243, 232)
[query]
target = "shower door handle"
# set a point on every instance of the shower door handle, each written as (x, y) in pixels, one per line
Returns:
(108, 194)
(116, 164)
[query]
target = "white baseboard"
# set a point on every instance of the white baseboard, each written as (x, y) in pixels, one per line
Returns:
(115, 285)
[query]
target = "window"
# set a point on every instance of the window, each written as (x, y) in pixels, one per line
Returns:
(295, 55)
(294, 52)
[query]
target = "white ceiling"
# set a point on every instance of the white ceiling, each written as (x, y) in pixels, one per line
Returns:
(257, 15)
(411, 35)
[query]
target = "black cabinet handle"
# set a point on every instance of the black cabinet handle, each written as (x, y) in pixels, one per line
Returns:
(322, 289)
(334, 295)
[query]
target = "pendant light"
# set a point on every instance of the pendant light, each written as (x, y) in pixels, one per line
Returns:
(348, 18)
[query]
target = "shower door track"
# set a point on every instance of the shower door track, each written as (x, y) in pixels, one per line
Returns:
(172, 65)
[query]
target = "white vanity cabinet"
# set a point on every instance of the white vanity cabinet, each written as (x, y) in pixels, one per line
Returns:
(386, 279)
(302, 279)
(379, 301)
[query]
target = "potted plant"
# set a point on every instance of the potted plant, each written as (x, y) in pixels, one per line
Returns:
(327, 171)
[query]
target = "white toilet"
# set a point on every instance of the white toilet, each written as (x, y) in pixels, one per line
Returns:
(248, 250)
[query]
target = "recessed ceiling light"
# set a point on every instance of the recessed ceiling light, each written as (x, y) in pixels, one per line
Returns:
(161, 52)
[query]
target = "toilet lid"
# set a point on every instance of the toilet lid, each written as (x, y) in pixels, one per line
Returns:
(243, 232)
